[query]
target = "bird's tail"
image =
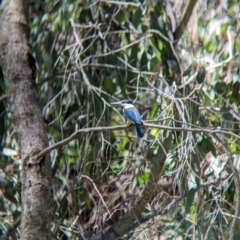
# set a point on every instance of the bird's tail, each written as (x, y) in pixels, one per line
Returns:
(139, 132)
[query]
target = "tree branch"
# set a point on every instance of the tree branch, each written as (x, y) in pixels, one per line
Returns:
(135, 210)
(154, 213)
(122, 127)
(11, 229)
(184, 21)
(3, 97)
(236, 181)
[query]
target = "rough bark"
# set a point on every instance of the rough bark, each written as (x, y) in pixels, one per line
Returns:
(18, 66)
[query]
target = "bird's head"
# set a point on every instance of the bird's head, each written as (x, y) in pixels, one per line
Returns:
(124, 103)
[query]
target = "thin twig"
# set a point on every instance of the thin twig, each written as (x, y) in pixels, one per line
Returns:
(236, 181)
(11, 229)
(127, 4)
(155, 213)
(3, 97)
(95, 188)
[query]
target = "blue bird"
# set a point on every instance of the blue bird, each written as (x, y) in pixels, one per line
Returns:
(132, 115)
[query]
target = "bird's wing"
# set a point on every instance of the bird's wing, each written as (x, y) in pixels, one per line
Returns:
(133, 115)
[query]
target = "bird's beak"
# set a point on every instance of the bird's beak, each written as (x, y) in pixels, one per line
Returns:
(116, 103)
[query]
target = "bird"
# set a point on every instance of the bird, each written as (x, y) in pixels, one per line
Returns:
(132, 115)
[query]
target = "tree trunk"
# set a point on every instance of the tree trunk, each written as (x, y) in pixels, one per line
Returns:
(18, 66)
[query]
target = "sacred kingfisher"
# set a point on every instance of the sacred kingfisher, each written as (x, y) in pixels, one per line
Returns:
(132, 115)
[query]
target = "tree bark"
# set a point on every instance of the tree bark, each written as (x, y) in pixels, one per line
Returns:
(18, 66)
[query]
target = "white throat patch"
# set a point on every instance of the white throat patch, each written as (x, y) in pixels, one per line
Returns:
(128, 106)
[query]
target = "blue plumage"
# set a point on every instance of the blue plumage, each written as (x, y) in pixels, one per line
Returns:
(138, 130)
(132, 114)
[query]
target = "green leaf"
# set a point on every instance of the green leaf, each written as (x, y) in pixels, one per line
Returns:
(189, 200)
(109, 85)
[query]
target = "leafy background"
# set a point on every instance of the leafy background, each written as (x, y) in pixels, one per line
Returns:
(92, 53)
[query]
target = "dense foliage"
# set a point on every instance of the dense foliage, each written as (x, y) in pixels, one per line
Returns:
(92, 53)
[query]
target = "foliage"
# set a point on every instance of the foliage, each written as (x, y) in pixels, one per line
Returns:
(92, 53)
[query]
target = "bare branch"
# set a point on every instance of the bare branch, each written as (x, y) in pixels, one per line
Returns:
(122, 127)
(186, 16)
(236, 183)
(3, 97)
(11, 229)
(155, 213)
(134, 211)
